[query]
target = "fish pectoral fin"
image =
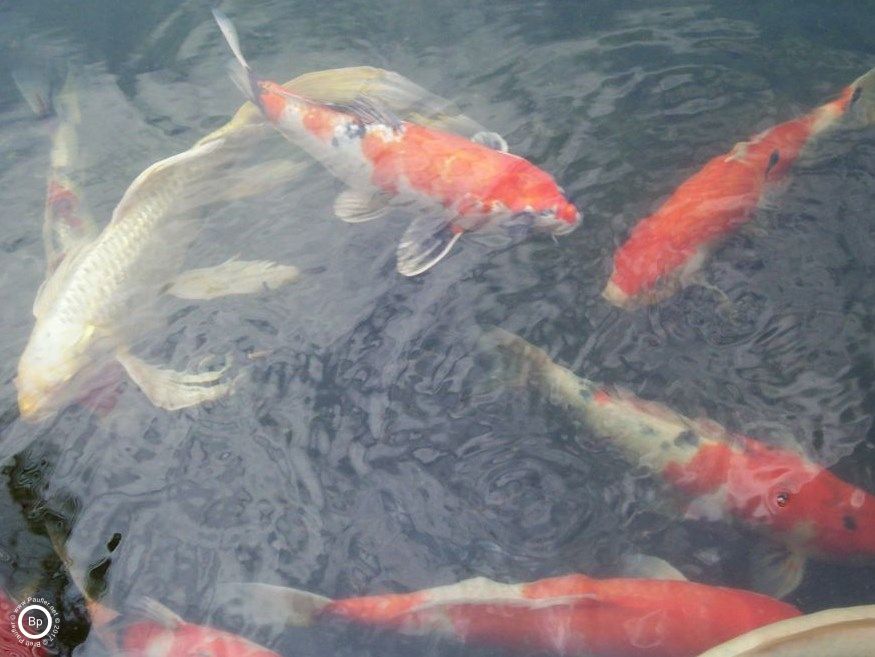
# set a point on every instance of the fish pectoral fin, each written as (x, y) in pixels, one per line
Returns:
(776, 570)
(231, 277)
(355, 206)
(268, 604)
(491, 140)
(173, 390)
(153, 610)
(427, 240)
(645, 566)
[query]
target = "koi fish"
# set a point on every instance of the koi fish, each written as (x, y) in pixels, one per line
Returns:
(158, 632)
(847, 632)
(568, 615)
(667, 248)
(803, 508)
(93, 305)
(460, 184)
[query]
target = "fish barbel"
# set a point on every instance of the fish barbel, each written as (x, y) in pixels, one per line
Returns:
(803, 508)
(459, 184)
(665, 249)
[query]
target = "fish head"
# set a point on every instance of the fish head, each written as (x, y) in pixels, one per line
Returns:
(560, 219)
(56, 352)
(833, 518)
(804, 504)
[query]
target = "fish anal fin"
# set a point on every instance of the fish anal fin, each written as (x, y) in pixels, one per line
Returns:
(231, 277)
(172, 390)
(355, 206)
(776, 570)
(426, 242)
(491, 140)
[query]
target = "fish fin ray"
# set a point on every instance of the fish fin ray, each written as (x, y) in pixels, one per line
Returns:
(355, 206)
(776, 570)
(157, 173)
(173, 390)
(491, 140)
(284, 605)
(230, 278)
(645, 566)
(369, 111)
(427, 240)
(153, 610)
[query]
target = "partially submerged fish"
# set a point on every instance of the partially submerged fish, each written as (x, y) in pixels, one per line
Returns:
(847, 632)
(96, 300)
(667, 248)
(154, 630)
(802, 507)
(10, 644)
(569, 615)
(454, 184)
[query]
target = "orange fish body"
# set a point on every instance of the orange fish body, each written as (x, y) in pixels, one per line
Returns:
(9, 643)
(669, 245)
(457, 184)
(575, 615)
(152, 639)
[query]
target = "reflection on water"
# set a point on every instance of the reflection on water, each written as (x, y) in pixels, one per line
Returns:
(353, 457)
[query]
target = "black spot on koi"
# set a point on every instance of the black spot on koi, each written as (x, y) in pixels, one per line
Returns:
(774, 158)
(850, 523)
(688, 438)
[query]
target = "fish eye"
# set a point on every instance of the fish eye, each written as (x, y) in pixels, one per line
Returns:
(782, 498)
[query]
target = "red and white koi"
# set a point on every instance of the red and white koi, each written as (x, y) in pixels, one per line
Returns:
(10, 644)
(459, 185)
(803, 508)
(666, 248)
(568, 615)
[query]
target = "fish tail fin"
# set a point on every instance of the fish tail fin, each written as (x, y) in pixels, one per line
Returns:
(239, 70)
(279, 605)
(863, 97)
(37, 81)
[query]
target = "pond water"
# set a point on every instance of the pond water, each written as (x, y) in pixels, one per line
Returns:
(353, 458)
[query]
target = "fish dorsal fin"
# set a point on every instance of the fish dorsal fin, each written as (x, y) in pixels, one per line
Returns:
(491, 140)
(153, 610)
(267, 604)
(427, 241)
(574, 600)
(645, 566)
(370, 111)
(157, 174)
(775, 569)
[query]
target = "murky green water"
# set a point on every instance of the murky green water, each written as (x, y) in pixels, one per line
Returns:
(351, 458)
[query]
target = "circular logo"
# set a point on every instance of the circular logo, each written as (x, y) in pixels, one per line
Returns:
(34, 622)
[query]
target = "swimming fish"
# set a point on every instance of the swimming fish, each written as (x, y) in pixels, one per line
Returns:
(846, 632)
(100, 287)
(158, 631)
(667, 248)
(801, 507)
(567, 615)
(453, 184)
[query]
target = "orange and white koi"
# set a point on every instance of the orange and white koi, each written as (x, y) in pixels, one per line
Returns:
(567, 615)
(459, 184)
(666, 248)
(803, 508)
